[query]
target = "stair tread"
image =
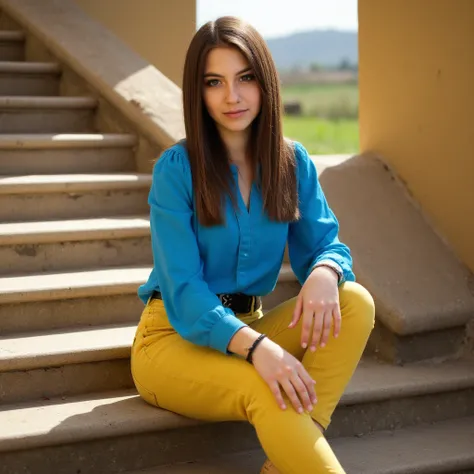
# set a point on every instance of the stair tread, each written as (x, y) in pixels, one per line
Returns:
(11, 35)
(54, 102)
(40, 423)
(26, 67)
(72, 182)
(415, 449)
(441, 447)
(76, 419)
(73, 230)
(63, 347)
(92, 282)
(375, 380)
(66, 140)
(57, 285)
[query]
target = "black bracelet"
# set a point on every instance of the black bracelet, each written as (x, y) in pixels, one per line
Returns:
(254, 345)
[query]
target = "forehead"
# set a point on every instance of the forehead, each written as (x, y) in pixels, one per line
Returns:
(225, 60)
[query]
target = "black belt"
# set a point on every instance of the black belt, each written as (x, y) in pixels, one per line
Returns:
(237, 302)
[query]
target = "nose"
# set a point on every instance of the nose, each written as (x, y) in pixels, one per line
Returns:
(232, 96)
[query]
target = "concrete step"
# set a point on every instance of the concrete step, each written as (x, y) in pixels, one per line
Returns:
(12, 46)
(382, 396)
(47, 114)
(29, 79)
(67, 285)
(441, 448)
(50, 246)
(52, 301)
(115, 431)
(45, 301)
(66, 153)
(59, 363)
(38, 197)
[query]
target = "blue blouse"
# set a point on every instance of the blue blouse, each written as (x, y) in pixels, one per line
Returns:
(193, 263)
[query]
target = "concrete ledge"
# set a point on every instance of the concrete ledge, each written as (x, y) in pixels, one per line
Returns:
(417, 282)
(136, 88)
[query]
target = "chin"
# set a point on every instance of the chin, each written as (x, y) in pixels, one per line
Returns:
(236, 127)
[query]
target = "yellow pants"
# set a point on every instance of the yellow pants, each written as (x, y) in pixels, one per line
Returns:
(199, 382)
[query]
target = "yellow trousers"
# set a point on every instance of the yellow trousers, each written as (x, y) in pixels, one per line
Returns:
(174, 374)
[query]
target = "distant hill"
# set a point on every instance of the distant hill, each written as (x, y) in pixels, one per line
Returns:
(326, 48)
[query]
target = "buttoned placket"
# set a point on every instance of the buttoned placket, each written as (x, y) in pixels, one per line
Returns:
(243, 217)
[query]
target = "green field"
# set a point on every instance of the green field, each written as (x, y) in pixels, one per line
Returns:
(323, 137)
(329, 120)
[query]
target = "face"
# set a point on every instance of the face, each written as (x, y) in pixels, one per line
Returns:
(231, 93)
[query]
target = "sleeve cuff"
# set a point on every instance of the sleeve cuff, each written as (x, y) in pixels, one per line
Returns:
(223, 332)
(332, 264)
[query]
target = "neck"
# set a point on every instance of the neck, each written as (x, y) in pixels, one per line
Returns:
(237, 145)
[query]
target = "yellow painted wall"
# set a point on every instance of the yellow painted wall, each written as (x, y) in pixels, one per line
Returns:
(416, 73)
(159, 30)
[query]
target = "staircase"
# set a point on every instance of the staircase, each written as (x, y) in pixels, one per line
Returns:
(74, 246)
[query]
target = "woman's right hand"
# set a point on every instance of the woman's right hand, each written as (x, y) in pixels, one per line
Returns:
(280, 370)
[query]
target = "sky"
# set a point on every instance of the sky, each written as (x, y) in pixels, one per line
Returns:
(273, 18)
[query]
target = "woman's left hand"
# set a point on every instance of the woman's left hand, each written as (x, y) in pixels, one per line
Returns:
(318, 301)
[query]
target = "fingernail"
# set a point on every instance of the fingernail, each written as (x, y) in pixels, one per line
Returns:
(323, 344)
(313, 348)
(300, 410)
(304, 345)
(283, 407)
(315, 400)
(310, 408)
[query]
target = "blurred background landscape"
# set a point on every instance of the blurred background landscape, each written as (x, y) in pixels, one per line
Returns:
(318, 71)
(315, 48)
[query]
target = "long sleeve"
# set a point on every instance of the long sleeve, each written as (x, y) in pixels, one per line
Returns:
(194, 311)
(314, 237)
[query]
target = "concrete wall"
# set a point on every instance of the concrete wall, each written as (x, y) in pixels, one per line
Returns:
(158, 30)
(417, 104)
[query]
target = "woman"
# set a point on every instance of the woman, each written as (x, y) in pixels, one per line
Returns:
(224, 203)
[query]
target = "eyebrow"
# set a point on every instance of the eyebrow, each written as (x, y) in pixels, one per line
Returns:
(213, 74)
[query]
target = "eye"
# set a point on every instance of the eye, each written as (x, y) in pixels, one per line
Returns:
(212, 82)
(247, 77)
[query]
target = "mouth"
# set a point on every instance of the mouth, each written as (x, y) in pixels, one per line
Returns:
(235, 113)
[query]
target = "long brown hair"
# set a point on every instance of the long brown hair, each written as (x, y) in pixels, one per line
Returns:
(208, 156)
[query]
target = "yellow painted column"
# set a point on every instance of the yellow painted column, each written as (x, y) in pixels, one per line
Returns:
(416, 66)
(160, 31)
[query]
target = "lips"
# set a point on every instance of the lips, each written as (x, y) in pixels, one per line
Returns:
(235, 113)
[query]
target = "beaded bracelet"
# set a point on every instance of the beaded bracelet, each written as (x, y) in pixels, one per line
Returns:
(253, 347)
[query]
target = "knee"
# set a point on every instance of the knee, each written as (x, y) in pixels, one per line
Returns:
(358, 304)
